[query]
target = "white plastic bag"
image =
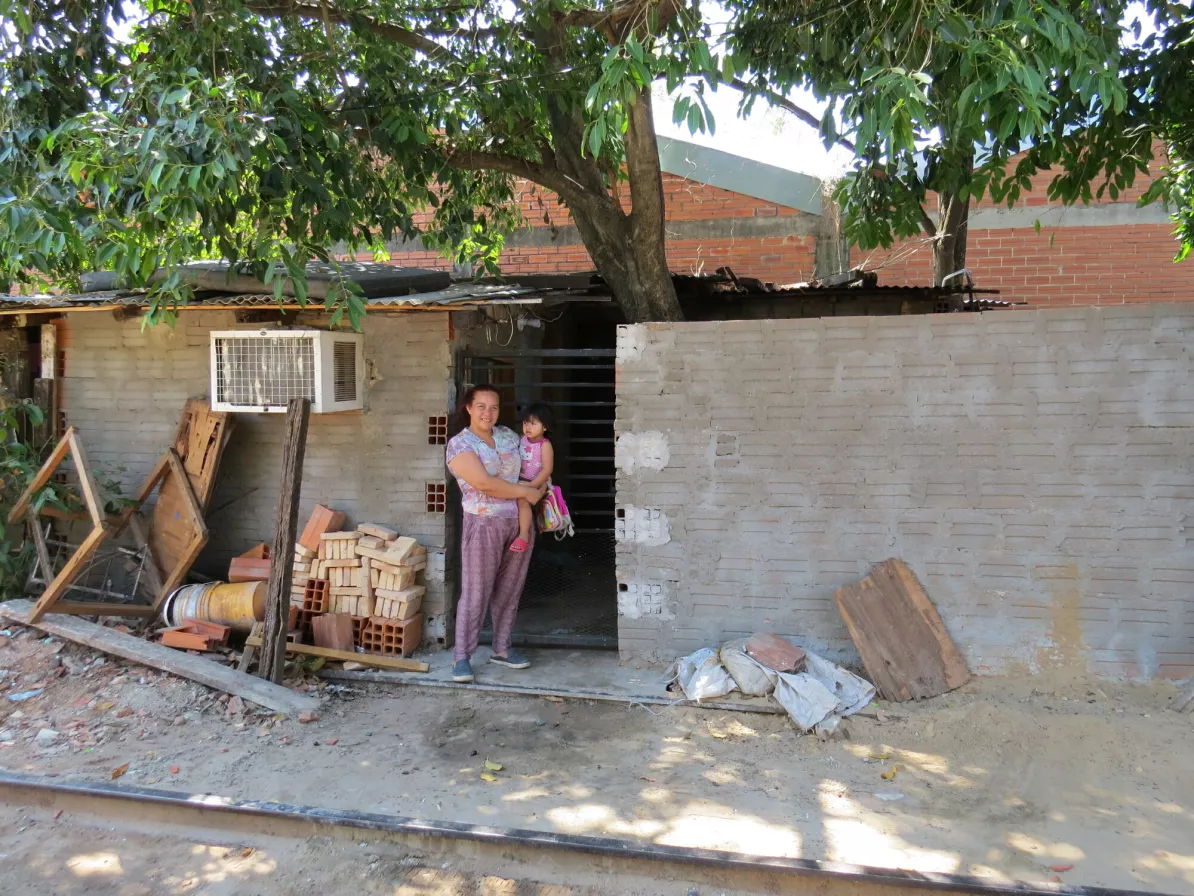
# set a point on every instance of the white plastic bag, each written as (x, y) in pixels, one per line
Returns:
(852, 692)
(702, 676)
(806, 700)
(753, 678)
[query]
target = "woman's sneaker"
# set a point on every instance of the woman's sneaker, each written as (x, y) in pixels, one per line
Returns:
(462, 671)
(511, 660)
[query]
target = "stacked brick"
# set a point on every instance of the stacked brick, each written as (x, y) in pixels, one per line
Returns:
(370, 575)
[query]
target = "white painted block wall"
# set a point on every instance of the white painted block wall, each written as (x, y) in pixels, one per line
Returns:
(124, 389)
(1034, 469)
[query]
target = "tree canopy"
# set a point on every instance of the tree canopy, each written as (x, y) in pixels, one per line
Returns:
(137, 136)
(1158, 71)
(936, 97)
(134, 137)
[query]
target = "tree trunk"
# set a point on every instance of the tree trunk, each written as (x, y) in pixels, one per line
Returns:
(949, 251)
(628, 250)
(648, 260)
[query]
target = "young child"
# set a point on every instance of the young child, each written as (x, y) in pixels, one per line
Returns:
(538, 460)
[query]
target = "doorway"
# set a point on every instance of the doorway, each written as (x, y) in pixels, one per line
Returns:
(570, 599)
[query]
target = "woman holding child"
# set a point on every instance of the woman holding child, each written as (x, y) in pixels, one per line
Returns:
(487, 460)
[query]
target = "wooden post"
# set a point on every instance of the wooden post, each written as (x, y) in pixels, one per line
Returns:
(49, 352)
(277, 602)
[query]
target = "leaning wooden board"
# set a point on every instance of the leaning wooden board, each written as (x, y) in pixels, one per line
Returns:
(907, 652)
(199, 443)
(176, 662)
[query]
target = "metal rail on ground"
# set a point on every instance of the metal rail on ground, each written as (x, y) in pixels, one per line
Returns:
(551, 853)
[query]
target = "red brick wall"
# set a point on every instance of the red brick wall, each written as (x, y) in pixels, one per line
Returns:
(1082, 265)
(780, 259)
(1065, 265)
(1061, 265)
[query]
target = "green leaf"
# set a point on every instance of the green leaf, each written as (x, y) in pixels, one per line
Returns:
(597, 137)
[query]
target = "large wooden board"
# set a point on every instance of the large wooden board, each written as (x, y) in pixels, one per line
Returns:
(347, 656)
(199, 444)
(907, 652)
(176, 662)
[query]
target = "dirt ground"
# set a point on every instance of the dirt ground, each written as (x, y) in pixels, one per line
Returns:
(1040, 778)
(63, 858)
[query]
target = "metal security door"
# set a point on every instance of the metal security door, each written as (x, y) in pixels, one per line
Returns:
(570, 599)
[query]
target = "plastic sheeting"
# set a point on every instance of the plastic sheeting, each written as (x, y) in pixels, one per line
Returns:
(702, 676)
(821, 695)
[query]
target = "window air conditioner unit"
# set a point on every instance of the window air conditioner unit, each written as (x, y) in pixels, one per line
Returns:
(259, 371)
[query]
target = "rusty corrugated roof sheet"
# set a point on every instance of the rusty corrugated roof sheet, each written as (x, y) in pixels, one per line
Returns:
(459, 294)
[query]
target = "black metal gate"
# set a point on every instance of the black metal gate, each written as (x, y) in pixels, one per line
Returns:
(571, 593)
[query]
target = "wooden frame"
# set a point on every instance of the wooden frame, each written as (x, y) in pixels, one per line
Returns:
(57, 584)
(170, 465)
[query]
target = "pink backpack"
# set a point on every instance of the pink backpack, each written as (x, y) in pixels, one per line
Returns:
(552, 514)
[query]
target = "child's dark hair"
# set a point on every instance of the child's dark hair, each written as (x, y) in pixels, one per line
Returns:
(542, 412)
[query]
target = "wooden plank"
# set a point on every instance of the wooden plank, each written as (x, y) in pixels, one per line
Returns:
(198, 444)
(151, 481)
(49, 352)
(190, 499)
(83, 471)
(907, 652)
(247, 655)
(367, 659)
(103, 608)
(39, 546)
(73, 567)
(277, 602)
(195, 668)
(42, 477)
(198, 528)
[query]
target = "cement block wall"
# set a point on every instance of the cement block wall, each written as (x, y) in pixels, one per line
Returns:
(124, 389)
(1033, 468)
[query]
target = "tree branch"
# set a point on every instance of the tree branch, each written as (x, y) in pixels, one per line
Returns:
(616, 22)
(927, 223)
(395, 33)
(778, 99)
(553, 179)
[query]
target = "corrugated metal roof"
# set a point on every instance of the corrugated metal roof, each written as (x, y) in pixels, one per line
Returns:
(460, 294)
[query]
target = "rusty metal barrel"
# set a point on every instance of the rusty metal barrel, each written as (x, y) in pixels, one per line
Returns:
(237, 605)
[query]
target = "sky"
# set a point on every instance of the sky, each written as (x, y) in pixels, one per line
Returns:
(767, 135)
(774, 136)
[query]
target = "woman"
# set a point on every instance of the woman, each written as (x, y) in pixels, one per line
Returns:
(485, 459)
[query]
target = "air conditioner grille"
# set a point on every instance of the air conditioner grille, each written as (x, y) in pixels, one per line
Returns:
(344, 371)
(265, 371)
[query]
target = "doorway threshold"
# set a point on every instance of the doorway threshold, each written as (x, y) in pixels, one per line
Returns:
(555, 673)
